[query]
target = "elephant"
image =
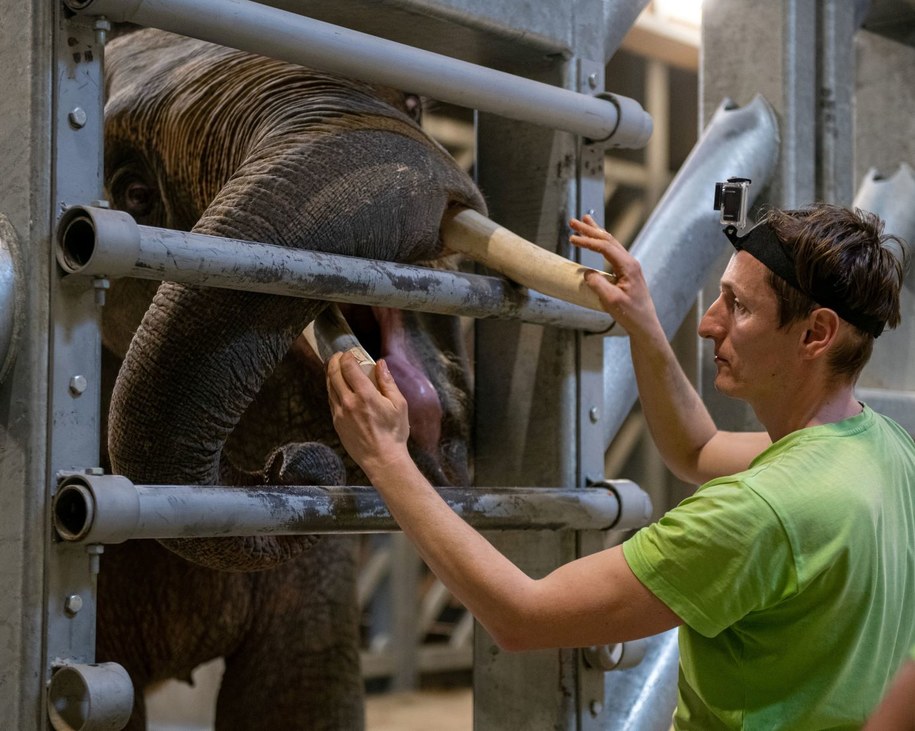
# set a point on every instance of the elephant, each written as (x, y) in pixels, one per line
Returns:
(210, 386)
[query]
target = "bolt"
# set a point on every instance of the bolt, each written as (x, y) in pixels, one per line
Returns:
(95, 550)
(78, 385)
(594, 414)
(596, 707)
(101, 285)
(77, 118)
(592, 80)
(94, 471)
(72, 604)
(101, 28)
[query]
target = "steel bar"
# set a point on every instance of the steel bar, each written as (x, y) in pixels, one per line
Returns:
(111, 509)
(257, 28)
(103, 243)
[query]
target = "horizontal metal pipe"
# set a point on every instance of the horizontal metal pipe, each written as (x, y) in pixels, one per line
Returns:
(111, 509)
(100, 242)
(250, 26)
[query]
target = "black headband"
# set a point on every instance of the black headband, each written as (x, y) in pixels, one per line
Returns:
(763, 245)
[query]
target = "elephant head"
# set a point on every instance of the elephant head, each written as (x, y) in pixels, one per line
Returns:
(221, 142)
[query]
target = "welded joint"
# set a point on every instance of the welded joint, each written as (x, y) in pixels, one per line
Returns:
(76, 511)
(628, 112)
(635, 508)
(80, 233)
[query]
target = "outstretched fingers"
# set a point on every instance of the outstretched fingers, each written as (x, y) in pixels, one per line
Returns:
(589, 235)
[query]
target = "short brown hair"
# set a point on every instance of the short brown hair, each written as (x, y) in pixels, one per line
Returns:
(848, 248)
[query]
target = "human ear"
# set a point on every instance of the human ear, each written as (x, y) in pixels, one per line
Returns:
(822, 327)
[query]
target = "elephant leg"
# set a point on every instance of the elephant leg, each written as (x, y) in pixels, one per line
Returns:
(298, 665)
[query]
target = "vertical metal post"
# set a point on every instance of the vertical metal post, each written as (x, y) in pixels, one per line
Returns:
(539, 404)
(26, 54)
(590, 384)
(834, 112)
(50, 142)
(526, 412)
(75, 360)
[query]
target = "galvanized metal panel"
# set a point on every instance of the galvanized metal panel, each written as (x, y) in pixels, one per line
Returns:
(74, 387)
(526, 412)
(884, 105)
(26, 56)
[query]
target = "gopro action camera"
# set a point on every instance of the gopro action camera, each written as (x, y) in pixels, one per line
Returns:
(731, 200)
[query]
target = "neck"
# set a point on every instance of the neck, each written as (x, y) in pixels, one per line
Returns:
(807, 408)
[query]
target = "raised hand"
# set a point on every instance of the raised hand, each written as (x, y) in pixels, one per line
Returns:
(624, 294)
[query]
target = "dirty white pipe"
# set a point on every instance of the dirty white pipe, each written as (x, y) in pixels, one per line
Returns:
(112, 509)
(90, 697)
(104, 243)
(617, 120)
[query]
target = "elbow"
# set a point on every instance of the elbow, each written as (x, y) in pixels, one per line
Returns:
(514, 641)
(516, 632)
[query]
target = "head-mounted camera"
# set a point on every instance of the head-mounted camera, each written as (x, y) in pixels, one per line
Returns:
(731, 200)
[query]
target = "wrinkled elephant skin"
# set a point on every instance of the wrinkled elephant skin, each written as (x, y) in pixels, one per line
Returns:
(217, 387)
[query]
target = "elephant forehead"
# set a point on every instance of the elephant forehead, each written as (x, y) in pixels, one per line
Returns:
(154, 68)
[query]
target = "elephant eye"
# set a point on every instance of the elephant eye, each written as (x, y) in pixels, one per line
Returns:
(139, 198)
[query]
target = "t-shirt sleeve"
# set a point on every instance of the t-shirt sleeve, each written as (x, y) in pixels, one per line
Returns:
(718, 556)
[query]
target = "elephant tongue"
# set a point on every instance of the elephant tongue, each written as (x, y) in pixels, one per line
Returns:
(422, 398)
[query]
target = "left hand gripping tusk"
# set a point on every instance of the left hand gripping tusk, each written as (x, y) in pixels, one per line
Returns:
(466, 231)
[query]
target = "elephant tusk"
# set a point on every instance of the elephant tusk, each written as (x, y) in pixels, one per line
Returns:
(466, 231)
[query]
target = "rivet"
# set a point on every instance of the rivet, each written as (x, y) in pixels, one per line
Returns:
(77, 118)
(594, 414)
(78, 385)
(592, 80)
(596, 707)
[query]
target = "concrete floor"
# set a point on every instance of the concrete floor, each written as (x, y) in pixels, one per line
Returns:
(179, 707)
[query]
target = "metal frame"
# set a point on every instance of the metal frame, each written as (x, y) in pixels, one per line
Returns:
(250, 26)
(51, 394)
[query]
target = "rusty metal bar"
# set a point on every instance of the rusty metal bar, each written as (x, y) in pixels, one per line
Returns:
(610, 118)
(111, 509)
(103, 243)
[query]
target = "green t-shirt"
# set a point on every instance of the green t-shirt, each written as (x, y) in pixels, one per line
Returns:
(795, 580)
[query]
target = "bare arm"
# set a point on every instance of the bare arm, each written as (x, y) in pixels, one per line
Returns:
(692, 446)
(896, 712)
(593, 600)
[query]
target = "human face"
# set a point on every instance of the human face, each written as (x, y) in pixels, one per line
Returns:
(755, 359)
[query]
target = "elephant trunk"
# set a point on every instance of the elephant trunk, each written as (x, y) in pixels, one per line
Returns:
(173, 406)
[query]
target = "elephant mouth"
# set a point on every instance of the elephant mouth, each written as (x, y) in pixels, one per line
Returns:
(382, 333)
